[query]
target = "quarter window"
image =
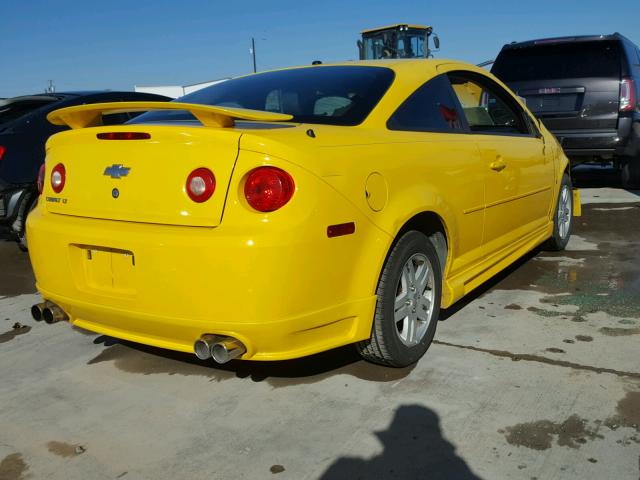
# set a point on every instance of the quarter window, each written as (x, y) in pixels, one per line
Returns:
(431, 108)
(487, 107)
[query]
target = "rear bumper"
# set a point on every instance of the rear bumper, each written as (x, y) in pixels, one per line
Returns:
(581, 143)
(284, 294)
(607, 144)
(281, 339)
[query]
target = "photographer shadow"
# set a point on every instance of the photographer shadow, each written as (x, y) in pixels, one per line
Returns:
(413, 448)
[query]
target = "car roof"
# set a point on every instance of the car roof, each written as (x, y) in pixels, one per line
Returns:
(423, 67)
(42, 97)
(69, 94)
(570, 39)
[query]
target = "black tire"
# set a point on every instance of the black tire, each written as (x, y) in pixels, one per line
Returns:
(630, 174)
(385, 346)
(561, 236)
(21, 235)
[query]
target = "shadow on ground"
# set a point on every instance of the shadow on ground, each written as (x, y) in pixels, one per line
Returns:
(414, 447)
(141, 359)
(595, 176)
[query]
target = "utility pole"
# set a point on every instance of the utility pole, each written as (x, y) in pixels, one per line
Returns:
(253, 53)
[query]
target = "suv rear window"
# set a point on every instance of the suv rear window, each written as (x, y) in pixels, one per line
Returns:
(601, 59)
(335, 95)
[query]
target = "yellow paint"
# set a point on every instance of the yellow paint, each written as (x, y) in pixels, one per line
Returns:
(577, 205)
(168, 270)
(396, 26)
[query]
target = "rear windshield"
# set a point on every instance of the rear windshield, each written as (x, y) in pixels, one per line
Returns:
(570, 60)
(341, 95)
(12, 110)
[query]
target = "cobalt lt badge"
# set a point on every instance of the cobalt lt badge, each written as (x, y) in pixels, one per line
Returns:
(115, 193)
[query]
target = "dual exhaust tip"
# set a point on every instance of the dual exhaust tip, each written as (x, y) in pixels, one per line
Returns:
(221, 349)
(49, 312)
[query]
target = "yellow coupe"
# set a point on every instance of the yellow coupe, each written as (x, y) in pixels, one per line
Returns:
(285, 213)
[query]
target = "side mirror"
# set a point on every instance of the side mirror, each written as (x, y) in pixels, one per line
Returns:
(436, 42)
(360, 49)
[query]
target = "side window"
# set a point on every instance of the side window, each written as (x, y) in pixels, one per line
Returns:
(487, 107)
(431, 108)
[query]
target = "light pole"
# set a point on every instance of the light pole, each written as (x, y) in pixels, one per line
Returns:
(253, 53)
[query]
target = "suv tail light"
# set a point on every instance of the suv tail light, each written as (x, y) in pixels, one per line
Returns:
(40, 181)
(201, 183)
(627, 95)
(2, 150)
(58, 177)
(268, 188)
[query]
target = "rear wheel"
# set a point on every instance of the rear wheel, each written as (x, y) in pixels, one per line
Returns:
(563, 217)
(408, 306)
(631, 174)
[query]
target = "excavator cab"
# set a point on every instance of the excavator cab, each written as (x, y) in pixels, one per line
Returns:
(398, 41)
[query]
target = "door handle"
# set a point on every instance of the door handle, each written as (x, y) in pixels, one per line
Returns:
(498, 165)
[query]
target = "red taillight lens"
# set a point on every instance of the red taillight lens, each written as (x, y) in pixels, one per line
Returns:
(201, 183)
(2, 150)
(40, 181)
(58, 177)
(268, 188)
(627, 95)
(123, 136)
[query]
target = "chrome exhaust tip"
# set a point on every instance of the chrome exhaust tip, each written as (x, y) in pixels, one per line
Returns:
(37, 311)
(53, 313)
(202, 347)
(227, 349)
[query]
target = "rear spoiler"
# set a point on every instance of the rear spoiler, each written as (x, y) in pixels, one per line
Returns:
(83, 116)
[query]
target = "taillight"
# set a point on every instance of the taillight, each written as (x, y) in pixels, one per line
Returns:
(268, 188)
(58, 177)
(123, 136)
(40, 181)
(2, 150)
(201, 183)
(627, 95)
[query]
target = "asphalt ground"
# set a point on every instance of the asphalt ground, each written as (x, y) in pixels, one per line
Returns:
(536, 375)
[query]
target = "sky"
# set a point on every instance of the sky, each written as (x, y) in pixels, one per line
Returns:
(117, 44)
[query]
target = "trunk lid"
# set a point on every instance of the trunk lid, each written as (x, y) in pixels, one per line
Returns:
(140, 180)
(573, 104)
(144, 180)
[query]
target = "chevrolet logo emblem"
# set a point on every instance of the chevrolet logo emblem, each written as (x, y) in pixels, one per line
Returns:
(116, 171)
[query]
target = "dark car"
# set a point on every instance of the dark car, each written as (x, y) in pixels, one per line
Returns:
(585, 90)
(24, 129)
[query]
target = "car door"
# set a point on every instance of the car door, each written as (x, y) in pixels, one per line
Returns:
(431, 138)
(519, 174)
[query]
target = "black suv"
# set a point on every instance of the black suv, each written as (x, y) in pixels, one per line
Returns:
(24, 129)
(585, 90)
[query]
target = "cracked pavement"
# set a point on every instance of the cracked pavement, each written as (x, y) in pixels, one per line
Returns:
(534, 376)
